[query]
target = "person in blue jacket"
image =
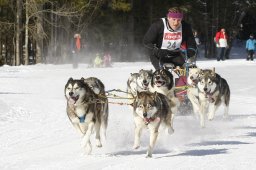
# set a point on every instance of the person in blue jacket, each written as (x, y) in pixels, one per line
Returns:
(250, 47)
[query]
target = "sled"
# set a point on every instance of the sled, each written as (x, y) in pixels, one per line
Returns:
(180, 82)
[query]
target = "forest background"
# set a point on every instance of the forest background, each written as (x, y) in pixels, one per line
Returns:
(45, 31)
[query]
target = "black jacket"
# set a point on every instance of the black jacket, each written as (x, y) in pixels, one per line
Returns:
(154, 36)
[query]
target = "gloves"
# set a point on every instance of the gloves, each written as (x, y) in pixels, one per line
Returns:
(155, 51)
(160, 53)
(191, 53)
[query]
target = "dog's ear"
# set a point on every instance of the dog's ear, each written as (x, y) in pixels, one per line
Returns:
(155, 95)
(194, 66)
(201, 73)
(213, 71)
(152, 80)
(132, 104)
(70, 79)
(139, 94)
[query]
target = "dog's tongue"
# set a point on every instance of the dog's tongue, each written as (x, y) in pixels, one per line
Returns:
(145, 85)
(71, 101)
(159, 83)
(194, 81)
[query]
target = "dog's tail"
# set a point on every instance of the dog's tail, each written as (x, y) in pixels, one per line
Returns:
(225, 91)
(104, 120)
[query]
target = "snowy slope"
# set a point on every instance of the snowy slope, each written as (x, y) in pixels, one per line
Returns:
(35, 132)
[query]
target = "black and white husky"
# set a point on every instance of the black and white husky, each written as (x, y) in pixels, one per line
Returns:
(138, 82)
(162, 82)
(213, 91)
(87, 111)
(150, 110)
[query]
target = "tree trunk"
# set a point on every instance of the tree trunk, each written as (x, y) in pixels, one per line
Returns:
(18, 31)
(26, 35)
(206, 36)
(39, 43)
(39, 31)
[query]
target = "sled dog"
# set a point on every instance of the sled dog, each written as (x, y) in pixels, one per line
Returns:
(162, 82)
(192, 91)
(139, 82)
(95, 84)
(87, 111)
(150, 110)
(213, 91)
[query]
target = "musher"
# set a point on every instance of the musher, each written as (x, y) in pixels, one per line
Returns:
(167, 37)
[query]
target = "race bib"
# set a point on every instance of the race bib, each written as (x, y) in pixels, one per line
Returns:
(171, 39)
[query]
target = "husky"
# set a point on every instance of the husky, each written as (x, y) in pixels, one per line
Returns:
(213, 91)
(150, 110)
(86, 111)
(95, 84)
(139, 82)
(162, 82)
(192, 91)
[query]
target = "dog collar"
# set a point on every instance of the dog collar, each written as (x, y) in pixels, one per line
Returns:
(209, 96)
(151, 119)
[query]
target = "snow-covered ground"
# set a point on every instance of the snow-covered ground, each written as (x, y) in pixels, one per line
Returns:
(35, 132)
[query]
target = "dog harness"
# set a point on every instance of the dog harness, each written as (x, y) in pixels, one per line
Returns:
(82, 119)
(148, 120)
(208, 95)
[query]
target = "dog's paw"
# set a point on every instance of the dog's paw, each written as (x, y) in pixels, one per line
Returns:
(75, 120)
(98, 143)
(149, 156)
(170, 130)
(225, 116)
(136, 146)
(202, 126)
(88, 149)
(210, 117)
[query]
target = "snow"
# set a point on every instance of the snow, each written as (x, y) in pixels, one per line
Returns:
(35, 132)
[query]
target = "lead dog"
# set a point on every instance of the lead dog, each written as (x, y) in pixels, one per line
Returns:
(213, 91)
(87, 111)
(150, 110)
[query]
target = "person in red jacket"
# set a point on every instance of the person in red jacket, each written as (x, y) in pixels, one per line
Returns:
(221, 39)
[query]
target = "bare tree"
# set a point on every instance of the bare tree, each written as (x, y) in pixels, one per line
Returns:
(35, 16)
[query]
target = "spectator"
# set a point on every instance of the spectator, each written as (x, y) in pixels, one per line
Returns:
(107, 60)
(198, 42)
(97, 61)
(250, 47)
(221, 39)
